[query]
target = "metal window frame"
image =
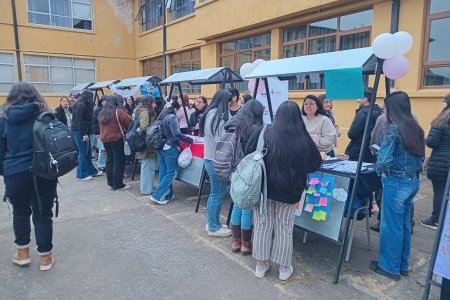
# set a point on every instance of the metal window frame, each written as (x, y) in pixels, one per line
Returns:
(9, 65)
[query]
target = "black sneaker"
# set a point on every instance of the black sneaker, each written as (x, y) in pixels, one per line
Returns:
(374, 267)
(430, 223)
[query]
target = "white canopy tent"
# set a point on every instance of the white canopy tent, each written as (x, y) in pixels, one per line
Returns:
(137, 81)
(80, 87)
(206, 76)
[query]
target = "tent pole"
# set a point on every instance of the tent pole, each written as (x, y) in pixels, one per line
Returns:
(269, 101)
(256, 88)
(358, 170)
(184, 107)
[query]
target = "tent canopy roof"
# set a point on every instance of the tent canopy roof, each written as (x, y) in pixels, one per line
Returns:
(102, 84)
(289, 68)
(137, 81)
(205, 76)
(79, 87)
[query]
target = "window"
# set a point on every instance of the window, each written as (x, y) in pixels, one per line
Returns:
(150, 14)
(153, 67)
(234, 54)
(53, 74)
(181, 8)
(61, 13)
(7, 76)
(340, 33)
(436, 70)
(183, 62)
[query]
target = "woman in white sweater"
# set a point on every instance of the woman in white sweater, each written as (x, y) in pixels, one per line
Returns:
(319, 127)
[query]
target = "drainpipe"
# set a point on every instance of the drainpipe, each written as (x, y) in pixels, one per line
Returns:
(164, 31)
(16, 39)
(395, 16)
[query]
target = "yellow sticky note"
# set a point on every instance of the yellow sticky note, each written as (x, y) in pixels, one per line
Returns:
(319, 215)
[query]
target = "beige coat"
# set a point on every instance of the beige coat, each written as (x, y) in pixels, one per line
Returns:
(144, 122)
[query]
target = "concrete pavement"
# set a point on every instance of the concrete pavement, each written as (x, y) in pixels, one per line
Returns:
(115, 245)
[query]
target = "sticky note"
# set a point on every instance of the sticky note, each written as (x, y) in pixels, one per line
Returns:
(323, 201)
(316, 194)
(314, 181)
(310, 191)
(324, 183)
(319, 215)
(323, 190)
(309, 207)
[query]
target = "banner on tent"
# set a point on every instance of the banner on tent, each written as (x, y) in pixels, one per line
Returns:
(278, 94)
(344, 84)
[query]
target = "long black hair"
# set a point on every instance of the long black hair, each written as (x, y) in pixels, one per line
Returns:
(444, 116)
(398, 113)
(291, 151)
(249, 116)
(319, 104)
(220, 101)
(23, 93)
(146, 102)
(110, 104)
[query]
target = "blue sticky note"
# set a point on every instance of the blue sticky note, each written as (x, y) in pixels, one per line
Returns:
(344, 83)
(323, 190)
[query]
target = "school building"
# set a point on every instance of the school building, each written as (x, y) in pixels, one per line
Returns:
(57, 44)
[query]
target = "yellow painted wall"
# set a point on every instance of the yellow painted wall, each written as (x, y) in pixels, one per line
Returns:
(110, 43)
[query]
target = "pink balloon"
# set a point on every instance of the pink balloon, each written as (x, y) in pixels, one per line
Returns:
(396, 67)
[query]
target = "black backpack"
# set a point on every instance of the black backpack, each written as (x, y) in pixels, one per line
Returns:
(135, 137)
(54, 150)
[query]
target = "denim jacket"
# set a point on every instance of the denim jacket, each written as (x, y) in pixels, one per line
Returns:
(393, 159)
(171, 131)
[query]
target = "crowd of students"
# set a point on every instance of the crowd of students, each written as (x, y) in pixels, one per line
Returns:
(293, 142)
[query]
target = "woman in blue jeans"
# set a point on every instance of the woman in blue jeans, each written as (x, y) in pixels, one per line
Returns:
(211, 127)
(168, 155)
(399, 162)
(244, 124)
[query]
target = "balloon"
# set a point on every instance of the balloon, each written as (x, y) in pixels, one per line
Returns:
(404, 41)
(246, 69)
(251, 86)
(385, 45)
(258, 61)
(396, 67)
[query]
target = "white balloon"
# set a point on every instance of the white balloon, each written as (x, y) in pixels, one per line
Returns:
(404, 41)
(385, 45)
(246, 69)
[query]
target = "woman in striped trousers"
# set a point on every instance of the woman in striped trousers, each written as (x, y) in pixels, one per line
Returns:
(291, 154)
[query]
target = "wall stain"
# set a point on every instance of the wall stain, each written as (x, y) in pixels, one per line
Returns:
(123, 10)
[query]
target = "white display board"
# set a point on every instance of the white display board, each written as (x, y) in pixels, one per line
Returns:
(278, 94)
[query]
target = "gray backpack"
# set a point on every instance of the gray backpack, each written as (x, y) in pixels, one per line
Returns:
(248, 182)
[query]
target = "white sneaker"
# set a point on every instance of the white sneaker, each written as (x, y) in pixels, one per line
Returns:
(99, 173)
(222, 232)
(261, 271)
(160, 202)
(206, 227)
(285, 272)
(85, 178)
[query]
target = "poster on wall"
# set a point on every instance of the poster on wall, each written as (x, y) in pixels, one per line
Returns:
(442, 265)
(278, 94)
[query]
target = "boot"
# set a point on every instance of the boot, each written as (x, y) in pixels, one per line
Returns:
(22, 256)
(47, 261)
(236, 241)
(246, 248)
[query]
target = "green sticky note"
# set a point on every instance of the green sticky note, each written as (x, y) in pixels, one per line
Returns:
(319, 215)
(311, 191)
(344, 83)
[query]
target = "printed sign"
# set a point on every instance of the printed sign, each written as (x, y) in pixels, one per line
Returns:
(278, 94)
(442, 265)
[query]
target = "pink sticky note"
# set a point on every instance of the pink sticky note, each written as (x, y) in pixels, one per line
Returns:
(314, 181)
(323, 201)
(316, 195)
(309, 207)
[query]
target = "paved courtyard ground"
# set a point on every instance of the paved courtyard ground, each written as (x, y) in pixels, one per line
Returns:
(115, 245)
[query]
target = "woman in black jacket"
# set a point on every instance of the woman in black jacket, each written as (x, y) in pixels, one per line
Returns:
(291, 154)
(81, 129)
(439, 162)
(64, 112)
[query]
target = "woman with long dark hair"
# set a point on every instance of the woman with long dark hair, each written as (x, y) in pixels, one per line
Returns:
(129, 105)
(235, 104)
(438, 140)
(146, 115)
(328, 108)
(319, 127)
(168, 154)
(201, 104)
(211, 127)
(23, 105)
(291, 154)
(81, 130)
(114, 120)
(399, 162)
(247, 121)
(184, 113)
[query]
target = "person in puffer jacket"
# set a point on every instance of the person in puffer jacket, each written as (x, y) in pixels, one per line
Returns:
(438, 139)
